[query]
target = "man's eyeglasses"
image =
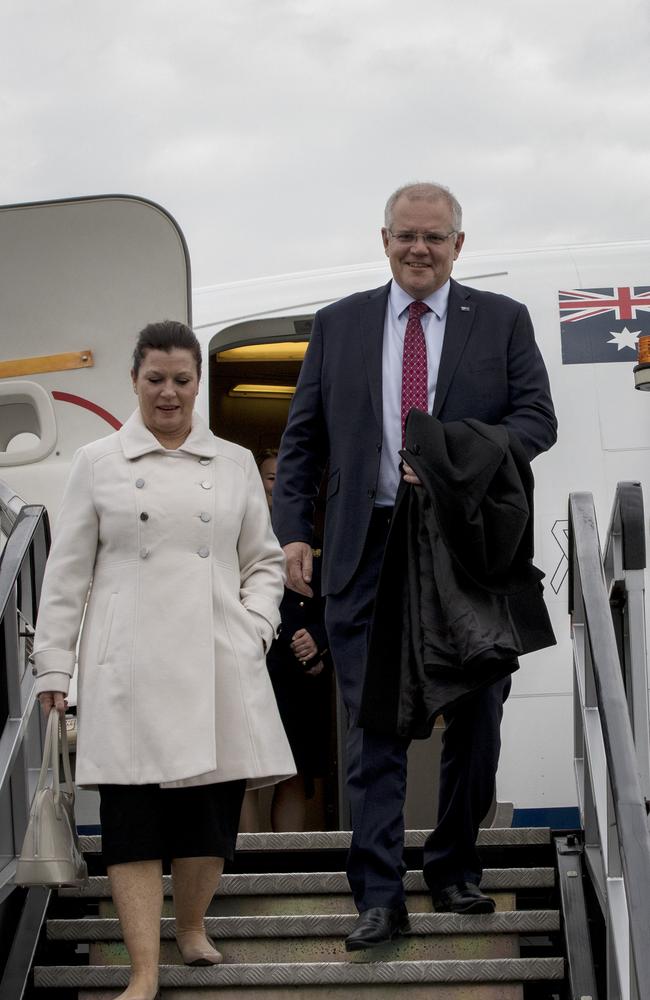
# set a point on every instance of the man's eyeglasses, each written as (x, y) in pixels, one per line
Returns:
(430, 239)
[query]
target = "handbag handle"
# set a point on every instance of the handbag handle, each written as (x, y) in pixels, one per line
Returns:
(55, 727)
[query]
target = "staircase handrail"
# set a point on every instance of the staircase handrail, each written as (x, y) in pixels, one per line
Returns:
(613, 807)
(26, 536)
(25, 551)
(10, 507)
(624, 561)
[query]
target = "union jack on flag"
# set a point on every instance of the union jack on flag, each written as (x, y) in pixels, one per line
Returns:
(603, 324)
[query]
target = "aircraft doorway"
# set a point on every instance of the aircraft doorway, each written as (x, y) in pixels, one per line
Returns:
(253, 370)
(251, 387)
(252, 379)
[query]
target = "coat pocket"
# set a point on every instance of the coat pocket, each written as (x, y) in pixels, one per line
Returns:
(105, 636)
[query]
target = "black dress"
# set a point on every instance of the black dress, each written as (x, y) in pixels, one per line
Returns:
(304, 701)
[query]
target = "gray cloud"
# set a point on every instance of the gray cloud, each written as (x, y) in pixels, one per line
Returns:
(274, 131)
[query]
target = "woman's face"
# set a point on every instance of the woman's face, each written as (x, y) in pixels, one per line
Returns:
(167, 385)
(267, 472)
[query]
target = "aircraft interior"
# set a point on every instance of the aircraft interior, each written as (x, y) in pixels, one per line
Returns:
(253, 371)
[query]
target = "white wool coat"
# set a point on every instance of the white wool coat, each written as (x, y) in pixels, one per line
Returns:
(183, 574)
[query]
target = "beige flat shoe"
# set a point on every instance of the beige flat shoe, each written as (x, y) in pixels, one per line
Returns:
(197, 949)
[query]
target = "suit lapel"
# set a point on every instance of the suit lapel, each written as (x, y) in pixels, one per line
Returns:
(460, 317)
(371, 322)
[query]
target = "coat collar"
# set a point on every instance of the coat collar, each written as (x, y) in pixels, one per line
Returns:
(372, 316)
(136, 440)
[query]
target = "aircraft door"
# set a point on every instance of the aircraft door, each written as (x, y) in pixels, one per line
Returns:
(79, 279)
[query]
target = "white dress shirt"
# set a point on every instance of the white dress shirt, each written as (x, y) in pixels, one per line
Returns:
(433, 324)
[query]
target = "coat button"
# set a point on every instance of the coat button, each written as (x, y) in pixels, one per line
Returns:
(206, 485)
(144, 553)
(379, 446)
(139, 483)
(204, 553)
(204, 461)
(144, 516)
(301, 604)
(205, 517)
(34, 671)
(371, 494)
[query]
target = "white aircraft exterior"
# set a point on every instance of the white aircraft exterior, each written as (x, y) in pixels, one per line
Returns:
(85, 275)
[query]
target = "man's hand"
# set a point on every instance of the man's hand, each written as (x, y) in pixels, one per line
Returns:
(409, 475)
(299, 567)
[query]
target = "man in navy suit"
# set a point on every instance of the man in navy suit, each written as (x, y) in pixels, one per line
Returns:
(346, 416)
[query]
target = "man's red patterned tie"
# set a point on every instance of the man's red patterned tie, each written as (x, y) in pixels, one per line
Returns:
(414, 364)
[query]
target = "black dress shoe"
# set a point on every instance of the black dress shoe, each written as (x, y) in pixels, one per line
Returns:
(462, 897)
(376, 926)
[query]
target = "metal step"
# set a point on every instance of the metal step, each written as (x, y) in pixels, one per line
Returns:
(320, 938)
(301, 905)
(328, 925)
(362, 991)
(340, 839)
(317, 883)
(271, 950)
(509, 970)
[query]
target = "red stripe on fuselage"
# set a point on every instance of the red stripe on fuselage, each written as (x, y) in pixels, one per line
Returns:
(68, 397)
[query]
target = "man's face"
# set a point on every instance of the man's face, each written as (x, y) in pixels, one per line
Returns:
(421, 268)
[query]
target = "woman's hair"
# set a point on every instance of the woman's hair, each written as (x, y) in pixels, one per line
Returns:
(165, 336)
(265, 453)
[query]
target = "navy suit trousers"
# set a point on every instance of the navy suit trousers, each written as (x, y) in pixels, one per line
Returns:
(376, 775)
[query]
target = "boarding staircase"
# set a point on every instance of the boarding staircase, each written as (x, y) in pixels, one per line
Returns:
(573, 912)
(280, 922)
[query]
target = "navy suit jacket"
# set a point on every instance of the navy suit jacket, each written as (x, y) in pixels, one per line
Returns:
(490, 369)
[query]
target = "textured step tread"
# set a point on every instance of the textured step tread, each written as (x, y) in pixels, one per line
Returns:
(340, 839)
(318, 948)
(315, 883)
(349, 991)
(328, 925)
(312, 973)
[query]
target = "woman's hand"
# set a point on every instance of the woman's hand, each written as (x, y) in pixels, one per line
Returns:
(53, 699)
(302, 645)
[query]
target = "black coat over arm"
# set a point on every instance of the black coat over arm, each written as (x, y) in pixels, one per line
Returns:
(458, 598)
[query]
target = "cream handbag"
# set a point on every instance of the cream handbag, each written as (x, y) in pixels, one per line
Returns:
(51, 855)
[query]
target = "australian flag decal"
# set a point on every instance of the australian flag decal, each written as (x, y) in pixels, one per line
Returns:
(603, 324)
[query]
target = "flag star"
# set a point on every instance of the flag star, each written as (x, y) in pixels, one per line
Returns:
(624, 338)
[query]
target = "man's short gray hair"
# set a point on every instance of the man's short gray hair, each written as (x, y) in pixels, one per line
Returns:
(425, 192)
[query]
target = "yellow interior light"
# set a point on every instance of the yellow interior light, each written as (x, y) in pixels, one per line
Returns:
(253, 391)
(289, 350)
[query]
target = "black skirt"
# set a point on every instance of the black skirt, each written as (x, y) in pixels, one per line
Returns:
(148, 823)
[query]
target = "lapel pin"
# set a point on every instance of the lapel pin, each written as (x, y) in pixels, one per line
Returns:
(464, 309)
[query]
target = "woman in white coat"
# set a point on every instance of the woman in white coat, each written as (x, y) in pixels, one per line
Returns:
(164, 530)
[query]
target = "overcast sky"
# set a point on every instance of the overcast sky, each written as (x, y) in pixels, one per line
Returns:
(273, 130)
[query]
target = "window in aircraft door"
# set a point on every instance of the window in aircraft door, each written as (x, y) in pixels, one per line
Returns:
(27, 423)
